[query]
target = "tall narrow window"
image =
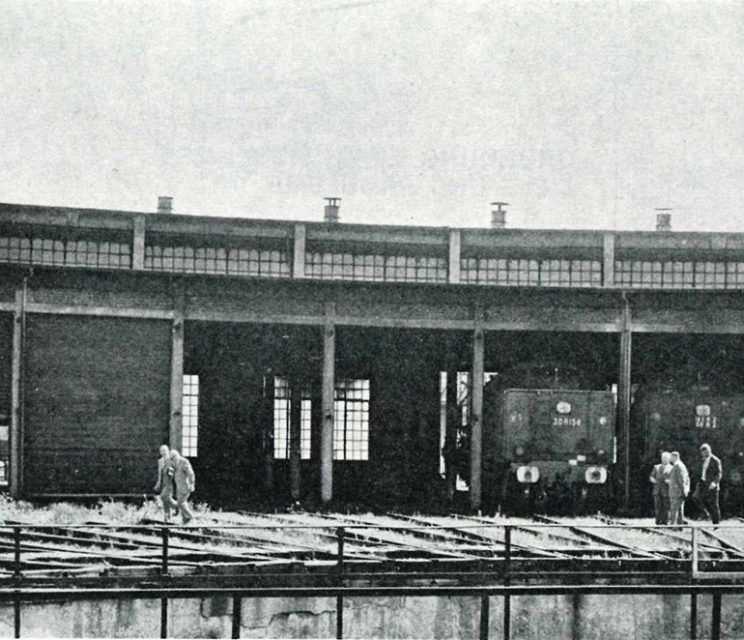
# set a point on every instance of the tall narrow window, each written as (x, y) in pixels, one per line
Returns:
(4, 453)
(190, 423)
(282, 412)
(351, 422)
(463, 409)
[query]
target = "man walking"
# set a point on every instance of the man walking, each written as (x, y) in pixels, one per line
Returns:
(185, 482)
(660, 475)
(679, 488)
(707, 488)
(165, 486)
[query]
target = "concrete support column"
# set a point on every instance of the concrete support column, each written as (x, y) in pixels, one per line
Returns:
(267, 425)
(455, 240)
(138, 243)
(453, 419)
(295, 436)
(623, 400)
(298, 258)
(476, 415)
(176, 387)
(328, 388)
(16, 411)
(608, 260)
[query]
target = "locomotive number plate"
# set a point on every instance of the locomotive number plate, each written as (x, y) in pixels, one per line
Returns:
(703, 417)
(566, 421)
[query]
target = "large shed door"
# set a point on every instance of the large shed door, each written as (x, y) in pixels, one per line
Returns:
(97, 403)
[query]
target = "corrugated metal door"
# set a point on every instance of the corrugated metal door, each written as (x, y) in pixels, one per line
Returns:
(96, 403)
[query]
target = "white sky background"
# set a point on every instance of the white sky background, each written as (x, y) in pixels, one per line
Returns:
(580, 115)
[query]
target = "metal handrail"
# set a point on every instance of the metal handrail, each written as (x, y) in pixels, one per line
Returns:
(18, 593)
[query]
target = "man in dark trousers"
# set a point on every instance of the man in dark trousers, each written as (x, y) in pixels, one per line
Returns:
(708, 487)
(660, 478)
(184, 481)
(165, 486)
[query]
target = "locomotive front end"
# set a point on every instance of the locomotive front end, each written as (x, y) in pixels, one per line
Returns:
(557, 450)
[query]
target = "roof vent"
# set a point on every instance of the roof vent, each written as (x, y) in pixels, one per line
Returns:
(331, 209)
(498, 215)
(165, 204)
(663, 219)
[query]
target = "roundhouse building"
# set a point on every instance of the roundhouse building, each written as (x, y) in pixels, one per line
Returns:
(320, 361)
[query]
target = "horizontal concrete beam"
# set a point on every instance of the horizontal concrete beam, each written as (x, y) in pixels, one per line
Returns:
(83, 310)
(382, 322)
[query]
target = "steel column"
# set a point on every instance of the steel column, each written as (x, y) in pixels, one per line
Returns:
(623, 400)
(176, 386)
(476, 418)
(328, 377)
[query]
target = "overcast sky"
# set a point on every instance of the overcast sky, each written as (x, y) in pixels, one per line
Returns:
(580, 115)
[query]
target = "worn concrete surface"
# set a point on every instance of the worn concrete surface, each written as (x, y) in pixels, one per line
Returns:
(587, 617)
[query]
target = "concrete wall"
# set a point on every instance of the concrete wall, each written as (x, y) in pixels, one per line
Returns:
(535, 617)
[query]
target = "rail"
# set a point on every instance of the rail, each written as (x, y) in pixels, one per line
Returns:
(16, 589)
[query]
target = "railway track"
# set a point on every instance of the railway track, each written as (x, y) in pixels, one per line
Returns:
(394, 543)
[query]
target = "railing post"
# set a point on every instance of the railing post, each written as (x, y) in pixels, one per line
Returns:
(693, 615)
(17, 552)
(164, 564)
(715, 631)
(17, 576)
(507, 580)
(485, 617)
(163, 617)
(164, 572)
(693, 577)
(339, 598)
(236, 619)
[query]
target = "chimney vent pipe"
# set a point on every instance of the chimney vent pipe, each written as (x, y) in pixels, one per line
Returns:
(331, 209)
(165, 204)
(498, 215)
(663, 219)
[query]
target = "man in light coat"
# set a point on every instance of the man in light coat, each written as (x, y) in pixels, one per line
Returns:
(165, 487)
(679, 488)
(708, 486)
(660, 479)
(185, 483)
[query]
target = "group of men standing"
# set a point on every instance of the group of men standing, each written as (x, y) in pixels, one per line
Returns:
(175, 479)
(671, 483)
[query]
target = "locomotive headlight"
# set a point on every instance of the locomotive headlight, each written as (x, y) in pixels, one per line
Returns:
(528, 475)
(519, 451)
(603, 421)
(595, 475)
